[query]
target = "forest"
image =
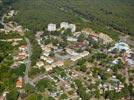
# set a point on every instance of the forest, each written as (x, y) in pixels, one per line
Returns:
(101, 15)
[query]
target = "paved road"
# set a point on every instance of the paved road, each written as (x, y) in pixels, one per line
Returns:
(28, 62)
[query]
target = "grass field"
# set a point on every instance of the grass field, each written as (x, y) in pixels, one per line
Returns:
(100, 14)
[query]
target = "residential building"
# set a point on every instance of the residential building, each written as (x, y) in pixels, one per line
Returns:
(64, 25)
(39, 33)
(81, 55)
(72, 27)
(3, 96)
(40, 64)
(19, 82)
(23, 48)
(72, 39)
(51, 27)
(49, 60)
(121, 46)
(71, 52)
(105, 38)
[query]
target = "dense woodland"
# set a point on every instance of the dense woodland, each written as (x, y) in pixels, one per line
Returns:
(102, 15)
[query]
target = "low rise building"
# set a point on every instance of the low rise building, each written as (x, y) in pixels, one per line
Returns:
(19, 82)
(22, 55)
(23, 48)
(105, 38)
(40, 64)
(81, 55)
(49, 60)
(71, 52)
(121, 46)
(3, 96)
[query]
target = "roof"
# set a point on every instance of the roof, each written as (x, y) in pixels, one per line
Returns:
(40, 63)
(122, 46)
(19, 82)
(115, 61)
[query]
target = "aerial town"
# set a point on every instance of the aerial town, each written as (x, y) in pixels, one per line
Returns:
(72, 65)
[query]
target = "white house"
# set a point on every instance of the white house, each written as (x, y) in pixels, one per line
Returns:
(64, 25)
(72, 27)
(122, 46)
(81, 55)
(71, 39)
(71, 52)
(51, 27)
(49, 61)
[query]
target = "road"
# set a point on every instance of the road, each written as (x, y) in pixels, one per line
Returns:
(28, 62)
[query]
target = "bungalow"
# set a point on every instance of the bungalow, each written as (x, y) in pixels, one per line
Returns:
(48, 67)
(122, 46)
(85, 53)
(39, 33)
(81, 55)
(11, 13)
(49, 60)
(105, 38)
(23, 48)
(116, 61)
(129, 59)
(46, 54)
(71, 52)
(22, 55)
(43, 58)
(59, 63)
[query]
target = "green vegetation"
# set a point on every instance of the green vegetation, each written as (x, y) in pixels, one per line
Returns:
(59, 71)
(36, 49)
(36, 71)
(5, 49)
(13, 95)
(45, 84)
(29, 89)
(20, 70)
(34, 96)
(4, 4)
(82, 90)
(63, 96)
(10, 35)
(103, 15)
